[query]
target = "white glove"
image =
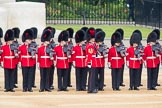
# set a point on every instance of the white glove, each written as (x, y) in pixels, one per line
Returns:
(2, 64)
(89, 65)
(73, 64)
(54, 63)
(127, 63)
(52, 58)
(109, 65)
(145, 64)
(38, 66)
(19, 65)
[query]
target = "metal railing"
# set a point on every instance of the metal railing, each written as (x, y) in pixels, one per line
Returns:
(149, 13)
(88, 12)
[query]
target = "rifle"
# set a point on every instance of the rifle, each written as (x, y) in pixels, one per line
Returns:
(103, 49)
(33, 48)
(68, 49)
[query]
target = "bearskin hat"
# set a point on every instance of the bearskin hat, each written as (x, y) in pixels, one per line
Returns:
(35, 31)
(115, 38)
(157, 31)
(121, 31)
(135, 38)
(152, 37)
(63, 36)
(9, 35)
(100, 36)
(46, 36)
(139, 32)
(90, 33)
(79, 36)
(28, 34)
(52, 30)
(71, 32)
(16, 31)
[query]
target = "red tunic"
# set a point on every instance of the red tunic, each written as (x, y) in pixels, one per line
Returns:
(8, 57)
(43, 57)
(93, 57)
(134, 62)
(114, 58)
(61, 58)
(79, 56)
(25, 58)
(149, 57)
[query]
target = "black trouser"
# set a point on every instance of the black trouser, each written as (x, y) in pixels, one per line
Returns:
(62, 75)
(157, 73)
(100, 78)
(81, 78)
(121, 74)
(151, 78)
(69, 74)
(44, 78)
(51, 75)
(133, 75)
(115, 73)
(140, 74)
(34, 70)
(92, 79)
(15, 75)
(9, 78)
(27, 73)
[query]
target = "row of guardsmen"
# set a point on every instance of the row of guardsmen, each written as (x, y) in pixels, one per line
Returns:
(87, 56)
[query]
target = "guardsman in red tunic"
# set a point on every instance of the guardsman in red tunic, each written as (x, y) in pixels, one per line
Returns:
(115, 60)
(62, 64)
(52, 46)
(70, 45)
(150, 61)
(8, 61)
(79, 56)
(91, 60)
(102, 52)
(26, 60)
(16, 45)
(133, 61)
(159, 52)
(44, 61)
(141, 48)
(34, 45)
(121, 31)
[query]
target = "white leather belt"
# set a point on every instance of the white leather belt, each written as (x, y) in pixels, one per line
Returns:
(80, 57)
(26, 56)
(9, 57)
(116, 58)
(134, 59)
(151, 57)
(62, 58)
(45, 57)
(97, 56)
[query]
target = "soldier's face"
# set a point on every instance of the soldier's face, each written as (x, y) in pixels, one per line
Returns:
(10, 42)
(135, 44)
(28, 41)
(63, 43)
(47, 42)
(117, 44)
(152, 43)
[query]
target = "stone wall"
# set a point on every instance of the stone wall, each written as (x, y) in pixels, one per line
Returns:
(23, 15)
